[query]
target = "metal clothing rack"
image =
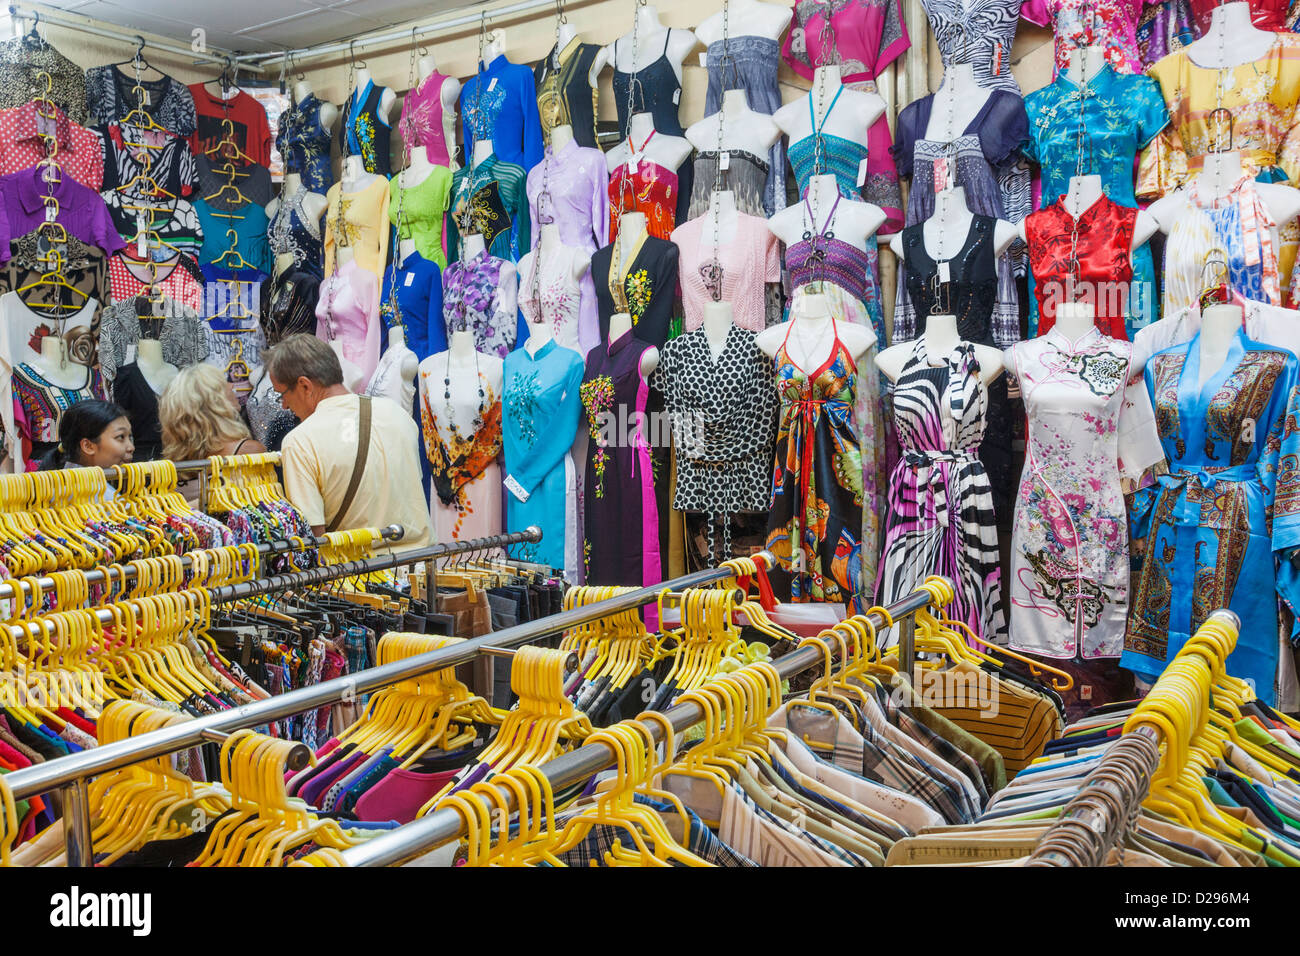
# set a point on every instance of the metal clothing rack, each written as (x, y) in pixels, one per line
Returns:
(1097, 818)
(442, 826)
(70, 773)
(17, 587)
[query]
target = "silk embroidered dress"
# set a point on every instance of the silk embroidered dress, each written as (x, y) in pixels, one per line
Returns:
(815, 523)
(1232, 446)
(940, 518)
(1090, 430)
(621, 516)
(541, 407)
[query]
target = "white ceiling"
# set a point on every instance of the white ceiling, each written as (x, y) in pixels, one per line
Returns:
(254, 26)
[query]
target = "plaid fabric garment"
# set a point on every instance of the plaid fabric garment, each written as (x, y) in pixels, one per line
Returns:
(852, 859)
(700, 840)
(943, 749)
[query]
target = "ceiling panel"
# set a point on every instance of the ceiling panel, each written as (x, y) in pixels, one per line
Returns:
(258, 25)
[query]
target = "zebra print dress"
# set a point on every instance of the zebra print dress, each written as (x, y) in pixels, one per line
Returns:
(940, 506)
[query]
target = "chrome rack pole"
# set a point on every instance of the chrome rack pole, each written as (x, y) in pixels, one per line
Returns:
(435, 829)
(18, 586)
(65, 772)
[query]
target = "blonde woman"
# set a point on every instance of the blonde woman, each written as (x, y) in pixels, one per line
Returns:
(200, 418)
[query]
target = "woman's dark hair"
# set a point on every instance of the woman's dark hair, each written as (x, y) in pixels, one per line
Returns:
(85, 419)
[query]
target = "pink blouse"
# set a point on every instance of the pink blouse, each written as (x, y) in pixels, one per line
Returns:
(348, 313)
(751, 259)
(422, 122)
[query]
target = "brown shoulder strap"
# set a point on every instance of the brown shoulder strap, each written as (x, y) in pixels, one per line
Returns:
(358, 466)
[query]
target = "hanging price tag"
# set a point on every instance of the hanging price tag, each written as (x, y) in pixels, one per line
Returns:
(704, 60)
(945, 272)
(997, 58)
(677, 96)
(493, 85)
(940, 174)
(862, 174)
(724, 160)
(410, 277)
(141, 239)
(51, 211)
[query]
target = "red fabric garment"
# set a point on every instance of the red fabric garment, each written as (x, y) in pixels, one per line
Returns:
(1103, 245)
(252, 132)
(652, 189)
(77, 721)
(1265, 14)
(80, 151)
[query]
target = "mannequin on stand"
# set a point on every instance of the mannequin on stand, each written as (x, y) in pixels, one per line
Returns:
(853, 222)
(746, 18)
(833, 110)
(495, 46)
(329, 113)
(1220, 324)
(460, 395)
(741, 128)
(561, 136)
(149, 359)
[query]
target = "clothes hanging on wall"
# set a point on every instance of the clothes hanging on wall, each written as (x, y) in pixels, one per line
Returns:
(253, 183)
(751, 63)
(81, 211)
(40, 402)
(1092, 436)
(1076, 24)
(132, 391)
(293, 232)
(481, 295)
(78, 150)
(111, 96)
(364, 132)
(25, 62)
(169, 228)
(621, 532)
(289, 303)
(417, 283)
(940, 517)
(565, 94)
(424, 121)
(422, 208)
(493, 198)
(657, 91)
(304, 144)
(250, 240)
(749, 260)
(569, 188)
(647, 188)
(548, 292)
(360, 220)
(649, 282)
(1191, 563)
(541, 409)
(746, 176)
(250, 130)
(500, 103)
(347, 313)
(121, 327)
(178, 279)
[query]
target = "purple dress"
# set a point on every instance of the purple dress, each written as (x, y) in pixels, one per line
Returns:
(991, 141)
(480, 295)
(577, 182)
(621, 522)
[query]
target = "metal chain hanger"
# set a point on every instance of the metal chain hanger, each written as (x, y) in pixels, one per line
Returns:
(392, 305)
(711, 271)
(616, 285)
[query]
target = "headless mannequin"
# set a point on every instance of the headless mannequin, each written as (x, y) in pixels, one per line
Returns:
(1075, 319)
(149, 360)
(1082, 193)
(313, 204)
(353, 378)
(667, 152)
(941, 340)
(1219, 175)
(386, 99)
(1231, 40)
(482, 152)
(56, 367)
(741, 127)
(957, 102)
(561, 136)
(417, 170)
(472, 246)
(852, 116)
(1085, 63)
(539, 333)
(631, 228)
(1219, 326)
(329, 113)
(548, 244)
(722, 210)
(283, 263)
(649, 46)
(808, 335)
(464, 366)
(355, 177)
(410, 364)
(718, 321)
(404, 248)
(854, 222)
(748, 18)
(495, 46)
(620, 323)
(448, 94)
(946, 231)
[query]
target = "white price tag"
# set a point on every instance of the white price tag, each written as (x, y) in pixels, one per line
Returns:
(51, 212)
(633, 163)
(945, 272)
(493, 85)
(724, 160)
(130, 354)
(515, 488)
(704, 60)
(677, 96)
(145, 97)
(410, 277)
(862, 174)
